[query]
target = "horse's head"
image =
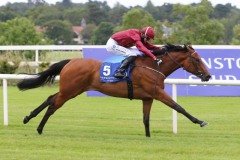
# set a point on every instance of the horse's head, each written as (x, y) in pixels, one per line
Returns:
(185, 57)
(194, 64)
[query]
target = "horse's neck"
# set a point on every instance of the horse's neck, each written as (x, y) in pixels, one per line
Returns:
(167, 67)
(170, 63)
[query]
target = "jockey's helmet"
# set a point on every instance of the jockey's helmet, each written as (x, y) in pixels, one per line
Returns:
(148, 32)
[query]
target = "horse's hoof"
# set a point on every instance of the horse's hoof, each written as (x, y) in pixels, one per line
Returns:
(148, 136)
(25, 120)
(39, 131)
(203, 124)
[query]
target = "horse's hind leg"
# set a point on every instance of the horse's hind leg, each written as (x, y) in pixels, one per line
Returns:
(57, 101)
(36, 111)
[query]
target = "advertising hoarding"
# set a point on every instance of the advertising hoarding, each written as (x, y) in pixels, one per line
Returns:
(223, 64)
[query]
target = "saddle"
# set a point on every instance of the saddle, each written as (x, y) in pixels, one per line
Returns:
(107, 71)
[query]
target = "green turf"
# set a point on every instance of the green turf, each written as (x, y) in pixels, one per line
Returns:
(111, 128)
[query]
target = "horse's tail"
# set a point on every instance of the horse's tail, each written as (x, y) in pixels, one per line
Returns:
(43, 77)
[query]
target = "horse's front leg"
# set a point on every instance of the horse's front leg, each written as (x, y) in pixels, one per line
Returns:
(147, 104)
(166, 99)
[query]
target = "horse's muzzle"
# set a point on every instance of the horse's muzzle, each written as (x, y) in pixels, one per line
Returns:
(205, 78)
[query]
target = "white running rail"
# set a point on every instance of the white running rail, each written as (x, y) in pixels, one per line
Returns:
(173, 82)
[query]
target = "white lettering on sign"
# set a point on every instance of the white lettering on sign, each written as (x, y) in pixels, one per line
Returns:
(238, 63)
(220, 63)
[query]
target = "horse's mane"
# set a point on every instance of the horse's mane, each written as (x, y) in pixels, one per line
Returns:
(176, 48)
(170, 48)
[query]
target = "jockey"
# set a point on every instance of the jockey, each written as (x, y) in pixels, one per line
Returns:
(121, 42)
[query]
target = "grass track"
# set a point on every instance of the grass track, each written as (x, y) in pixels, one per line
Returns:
(111, 128)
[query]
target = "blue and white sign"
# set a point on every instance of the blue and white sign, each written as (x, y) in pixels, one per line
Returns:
(223, 64)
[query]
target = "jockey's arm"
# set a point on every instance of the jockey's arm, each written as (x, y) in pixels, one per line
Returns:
(151, 47)
(145, 50)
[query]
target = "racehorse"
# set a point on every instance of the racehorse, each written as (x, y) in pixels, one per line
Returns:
(79, 75)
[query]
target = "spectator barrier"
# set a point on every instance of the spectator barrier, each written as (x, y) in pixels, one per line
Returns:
(222, 61)
(173, 82)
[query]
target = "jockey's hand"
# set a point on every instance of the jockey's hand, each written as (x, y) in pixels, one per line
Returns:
(158, 61)
(163, 49)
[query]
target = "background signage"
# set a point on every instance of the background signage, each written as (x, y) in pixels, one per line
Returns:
(223, 64)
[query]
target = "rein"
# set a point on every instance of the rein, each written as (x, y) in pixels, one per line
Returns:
(179, 65)
(152, 70)
(167, 53)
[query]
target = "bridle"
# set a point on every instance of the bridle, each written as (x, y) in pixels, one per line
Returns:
(178, 64)
(192, 60)
(196, 64)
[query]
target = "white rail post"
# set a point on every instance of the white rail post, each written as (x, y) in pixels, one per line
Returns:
(174, 113)
(5, 103)
(36, 60)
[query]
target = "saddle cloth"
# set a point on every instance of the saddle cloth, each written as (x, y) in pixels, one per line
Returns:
(107, 71)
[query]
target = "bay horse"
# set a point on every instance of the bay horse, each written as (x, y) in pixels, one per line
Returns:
(79, 75)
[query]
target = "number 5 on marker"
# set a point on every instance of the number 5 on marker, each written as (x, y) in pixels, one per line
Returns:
(106, 70)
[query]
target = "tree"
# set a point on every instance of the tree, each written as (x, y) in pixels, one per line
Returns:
(137, 18)
(20, 31)
(66, 3)
(7, 13)
(98, 11)
(152, 9)
(75, 15)
(196, 27)
(103, 32)
(196, 18)
(159, 38)
(116, 13)
(165, 12)
(42, 14)
(229, 23)
(236, 35)
(221, 11)
(59, 31)
(19, 8)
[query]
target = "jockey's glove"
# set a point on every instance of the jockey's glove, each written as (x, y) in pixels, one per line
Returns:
(163, 49)
(158, 61)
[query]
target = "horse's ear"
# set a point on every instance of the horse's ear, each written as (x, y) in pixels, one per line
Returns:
(188, 46)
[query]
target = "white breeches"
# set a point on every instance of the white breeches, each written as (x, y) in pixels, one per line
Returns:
(114, 48)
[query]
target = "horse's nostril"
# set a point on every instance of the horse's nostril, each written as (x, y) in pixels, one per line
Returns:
(208, 77)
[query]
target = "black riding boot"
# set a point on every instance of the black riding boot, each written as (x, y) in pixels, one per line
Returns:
(120, 73)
